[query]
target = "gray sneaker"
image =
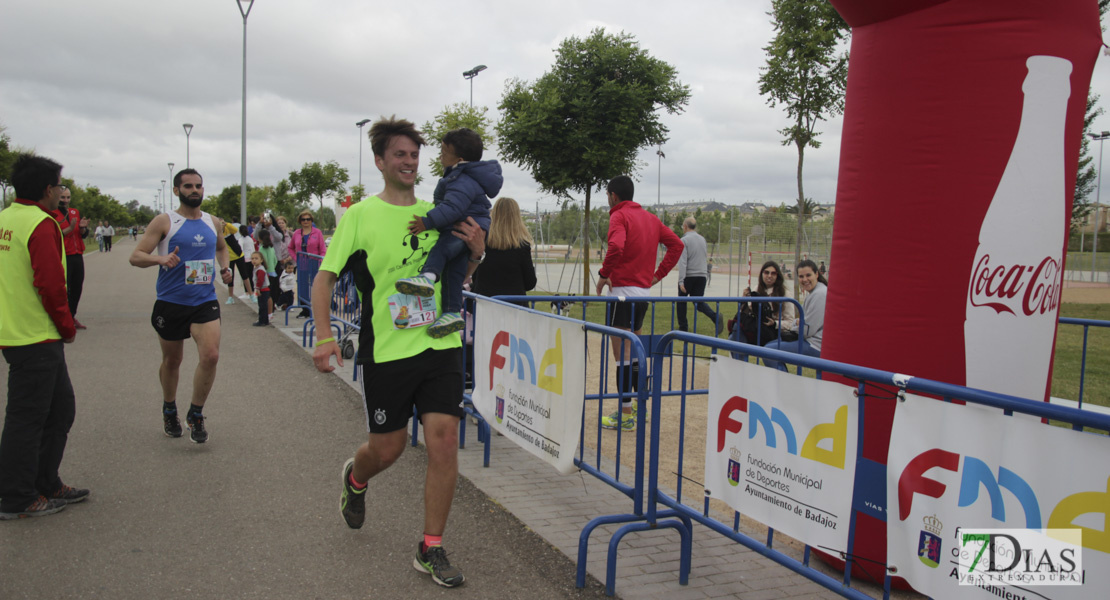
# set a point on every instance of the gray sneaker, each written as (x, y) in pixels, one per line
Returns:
(352, 503)
(41, 507)
(434, 562)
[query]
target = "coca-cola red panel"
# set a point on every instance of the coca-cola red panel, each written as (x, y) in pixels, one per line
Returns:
(958, 159)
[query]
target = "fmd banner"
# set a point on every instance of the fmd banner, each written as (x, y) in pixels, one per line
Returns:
(981, 504)
(530, 379)
(782, 449)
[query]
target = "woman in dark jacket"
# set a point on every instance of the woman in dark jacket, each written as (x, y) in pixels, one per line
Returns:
(507, 268)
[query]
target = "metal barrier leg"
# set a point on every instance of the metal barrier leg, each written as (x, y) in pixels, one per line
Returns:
(584, 541)
(684, 551)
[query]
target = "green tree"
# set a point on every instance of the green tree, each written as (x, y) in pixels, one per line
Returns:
(319, 181)
(1086, 176)
(7, 157)
(806, 72)
(453, 117)
(583, 122)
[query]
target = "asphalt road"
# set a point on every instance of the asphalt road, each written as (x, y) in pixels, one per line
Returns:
(254, 512)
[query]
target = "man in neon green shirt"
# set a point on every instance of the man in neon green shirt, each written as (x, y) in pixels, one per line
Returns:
(401, 366)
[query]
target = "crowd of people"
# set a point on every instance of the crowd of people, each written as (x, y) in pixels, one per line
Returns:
(410, 260)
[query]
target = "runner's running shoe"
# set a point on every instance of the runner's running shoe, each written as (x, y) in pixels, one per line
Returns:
(352, 503)
(171, 424)
(197, 432)
(433, 561)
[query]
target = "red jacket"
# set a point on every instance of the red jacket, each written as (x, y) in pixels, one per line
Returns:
(634, 237)
(75, 244)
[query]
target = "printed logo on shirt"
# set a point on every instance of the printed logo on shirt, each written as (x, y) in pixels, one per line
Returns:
(199, 243)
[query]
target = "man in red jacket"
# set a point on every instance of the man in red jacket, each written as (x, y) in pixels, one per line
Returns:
(73, 232)
(629, 270)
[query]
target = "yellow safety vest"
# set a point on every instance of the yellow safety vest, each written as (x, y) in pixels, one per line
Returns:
(23, 320)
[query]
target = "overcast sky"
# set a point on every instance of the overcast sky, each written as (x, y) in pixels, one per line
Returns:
(103, 87)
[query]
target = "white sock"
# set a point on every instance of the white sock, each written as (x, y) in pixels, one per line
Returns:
(431, 276)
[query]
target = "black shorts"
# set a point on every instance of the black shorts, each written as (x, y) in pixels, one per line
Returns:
(625, 314)
(432, 381)
(172, 321)
(244, 269)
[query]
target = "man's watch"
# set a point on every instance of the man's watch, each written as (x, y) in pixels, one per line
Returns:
(478, 260)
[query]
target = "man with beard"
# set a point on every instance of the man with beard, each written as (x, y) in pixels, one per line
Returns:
(189, 248)
(73, 232)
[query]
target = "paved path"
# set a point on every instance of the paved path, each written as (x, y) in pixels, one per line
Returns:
(253, 513)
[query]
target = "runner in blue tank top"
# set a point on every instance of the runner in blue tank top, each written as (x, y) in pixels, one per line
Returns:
(190, 254)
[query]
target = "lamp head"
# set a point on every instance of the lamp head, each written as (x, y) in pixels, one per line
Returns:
(188, 129)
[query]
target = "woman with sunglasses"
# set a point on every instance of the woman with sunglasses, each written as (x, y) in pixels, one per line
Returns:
(310, 240)
(766, 329)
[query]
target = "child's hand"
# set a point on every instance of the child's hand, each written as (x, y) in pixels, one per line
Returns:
(416, 226)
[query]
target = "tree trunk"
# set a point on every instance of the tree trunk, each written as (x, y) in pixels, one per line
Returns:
(586, 246)
(801, 220)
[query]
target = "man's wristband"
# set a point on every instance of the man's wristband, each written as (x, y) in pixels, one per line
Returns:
(324, 341)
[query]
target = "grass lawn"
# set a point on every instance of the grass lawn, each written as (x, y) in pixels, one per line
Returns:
(1066, 367)
(1069, 356)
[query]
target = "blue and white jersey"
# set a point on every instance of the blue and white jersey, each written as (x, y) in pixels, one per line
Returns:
(191, 282)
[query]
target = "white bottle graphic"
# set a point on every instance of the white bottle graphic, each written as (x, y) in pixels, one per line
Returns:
(1014, 293)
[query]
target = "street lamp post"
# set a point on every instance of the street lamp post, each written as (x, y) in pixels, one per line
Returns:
(163, 190)
(1101, 137)
(471, 74)
(188, 131)
(243, 170)
(166, 204)
(360, 124)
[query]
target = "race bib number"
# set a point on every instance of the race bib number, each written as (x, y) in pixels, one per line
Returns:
(199, 272)
(411, 311)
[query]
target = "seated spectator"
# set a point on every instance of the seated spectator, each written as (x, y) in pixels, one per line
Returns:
(813, 308)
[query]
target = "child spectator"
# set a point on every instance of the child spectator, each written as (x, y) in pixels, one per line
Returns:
(247, 244)
(464, 191)
(269, 261)
(288, 284)
(261, 289)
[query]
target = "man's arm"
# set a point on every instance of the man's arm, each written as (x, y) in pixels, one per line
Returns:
(142, 256)
(322, 287)
(674, 250)
(45, 248)
(222, 257)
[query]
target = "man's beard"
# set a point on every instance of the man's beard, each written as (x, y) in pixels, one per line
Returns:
(190, 202)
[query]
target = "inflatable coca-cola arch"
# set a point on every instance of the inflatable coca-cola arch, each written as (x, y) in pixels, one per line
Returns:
(954, 106)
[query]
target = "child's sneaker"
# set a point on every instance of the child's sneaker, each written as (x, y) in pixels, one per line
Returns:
(446, 324)
(417, 286)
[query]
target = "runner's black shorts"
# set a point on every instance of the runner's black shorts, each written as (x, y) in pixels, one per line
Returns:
(627, 314)
(432, 381)
(244, 270)
(172, 321)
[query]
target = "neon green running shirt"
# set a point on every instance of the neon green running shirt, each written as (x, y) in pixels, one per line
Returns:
(394, 325)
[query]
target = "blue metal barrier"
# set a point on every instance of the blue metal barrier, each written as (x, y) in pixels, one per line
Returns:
(307, 267)
(661, 504)
(1087, 324)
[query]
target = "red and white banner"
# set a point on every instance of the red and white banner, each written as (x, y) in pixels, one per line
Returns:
(530, 379)
(957, 467)
(781, 449)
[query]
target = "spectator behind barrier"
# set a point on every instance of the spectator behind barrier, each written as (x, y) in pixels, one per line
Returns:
(758, 322)
(507, 269)
(813, 307)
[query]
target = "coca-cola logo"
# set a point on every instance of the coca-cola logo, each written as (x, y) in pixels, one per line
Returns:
(1032, 289)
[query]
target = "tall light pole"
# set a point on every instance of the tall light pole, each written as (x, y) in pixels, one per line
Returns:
(188, 131)
(360, 124)
(1098, 191)
(471, 74)
(166, 205)
(163, 190)
(243, 170)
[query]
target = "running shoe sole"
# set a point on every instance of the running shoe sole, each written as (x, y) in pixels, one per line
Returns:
(416, 289)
